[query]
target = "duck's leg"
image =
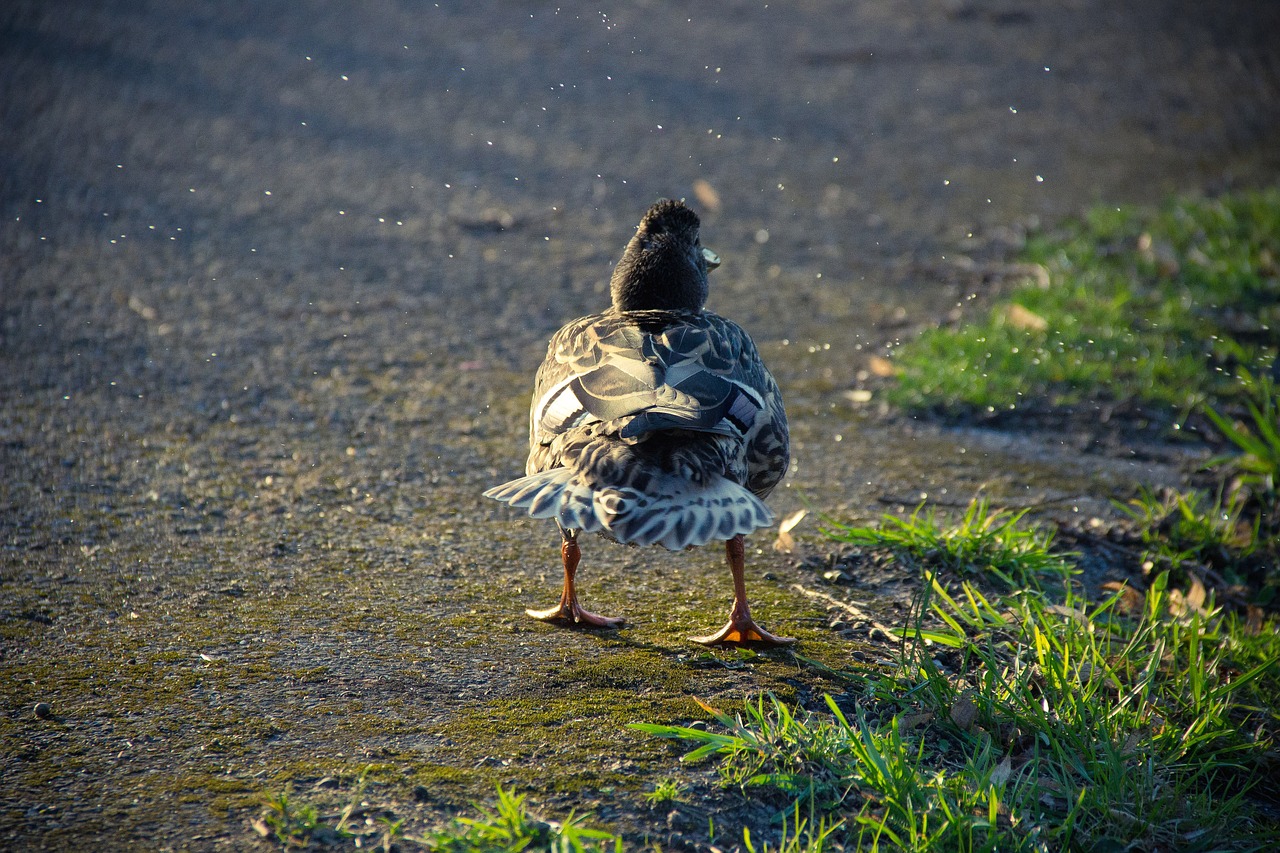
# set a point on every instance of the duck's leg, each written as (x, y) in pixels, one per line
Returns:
(741, 629)
(568, 611)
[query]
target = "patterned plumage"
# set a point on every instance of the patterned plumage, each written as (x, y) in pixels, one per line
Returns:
(655, 422)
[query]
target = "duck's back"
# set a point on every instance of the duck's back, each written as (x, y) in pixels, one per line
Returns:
(653, 426)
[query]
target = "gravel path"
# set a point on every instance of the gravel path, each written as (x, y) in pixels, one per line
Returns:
(273, 281)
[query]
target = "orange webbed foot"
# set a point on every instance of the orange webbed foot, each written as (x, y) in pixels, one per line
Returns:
(572, 614)
(743, 632)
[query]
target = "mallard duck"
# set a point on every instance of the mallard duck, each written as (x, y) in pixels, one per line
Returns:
(655, 422)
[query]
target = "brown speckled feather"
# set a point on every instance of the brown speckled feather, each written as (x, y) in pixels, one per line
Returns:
(648, 415)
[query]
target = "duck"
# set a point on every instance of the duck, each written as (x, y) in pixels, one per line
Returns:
(655, 422)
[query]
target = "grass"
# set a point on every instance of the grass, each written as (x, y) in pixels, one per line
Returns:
(1033, 719)
(1235, 533)
(1159, 308)
(983, 541)
(665, 791)
(1256, 466)
(1189, 530)
(296, 824)
(508, 826)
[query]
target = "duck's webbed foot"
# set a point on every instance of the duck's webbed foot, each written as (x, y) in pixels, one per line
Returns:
(743, 632)
(569, 611)
(572, 613)
(741, 629)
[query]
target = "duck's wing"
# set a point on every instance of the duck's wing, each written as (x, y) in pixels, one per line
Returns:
(644, 372)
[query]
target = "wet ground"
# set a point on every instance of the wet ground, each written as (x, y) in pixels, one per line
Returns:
(274, 280)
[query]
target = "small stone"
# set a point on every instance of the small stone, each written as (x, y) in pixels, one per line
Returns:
(43, 710)
(421, 793)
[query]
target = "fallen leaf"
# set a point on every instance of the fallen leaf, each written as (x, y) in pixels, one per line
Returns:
(1002, 772)
(785, 541)
(1069, 613)
(260, 827)
(1024, 318)
(1161, 254)
(706, 195)
(1052, 803)
(881, 366)
(964, 710)
(1253, 621)
(789, 523)
(1196, 595)
(1131, 601)
(858, 396)
(911, 722)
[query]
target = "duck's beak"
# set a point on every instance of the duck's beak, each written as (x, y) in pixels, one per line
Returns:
(712, 259)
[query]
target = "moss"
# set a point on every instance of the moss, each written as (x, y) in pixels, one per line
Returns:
(330, 639)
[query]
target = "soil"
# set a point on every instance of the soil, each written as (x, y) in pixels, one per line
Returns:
(275, 278)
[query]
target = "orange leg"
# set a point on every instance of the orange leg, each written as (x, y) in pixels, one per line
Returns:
(568, 611)
(741, 629)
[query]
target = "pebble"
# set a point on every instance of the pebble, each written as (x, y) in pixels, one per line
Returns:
(43, 710)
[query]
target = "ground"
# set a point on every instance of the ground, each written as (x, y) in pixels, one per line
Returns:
(275, 280)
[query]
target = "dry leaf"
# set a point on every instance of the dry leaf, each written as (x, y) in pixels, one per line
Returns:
(260, 827)
(1131, 601)
(1253, 621)
(1069, 613)
(881, 366)
(1052, 802)
(911, 722)
(789, 523)
(1161, 254)
(1023, 318)
(964, 711)
(1002, 772)
(1196, 595)
(1043, 782)
(706, 195)
(785, 541)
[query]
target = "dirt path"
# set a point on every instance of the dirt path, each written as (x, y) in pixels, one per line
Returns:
(273, 280)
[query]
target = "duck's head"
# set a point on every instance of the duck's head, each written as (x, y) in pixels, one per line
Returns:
(664, 266)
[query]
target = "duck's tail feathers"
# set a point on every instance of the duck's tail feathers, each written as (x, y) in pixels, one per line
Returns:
(674, 512)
